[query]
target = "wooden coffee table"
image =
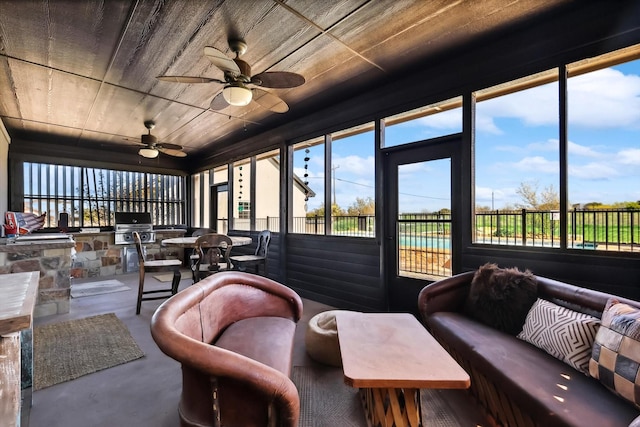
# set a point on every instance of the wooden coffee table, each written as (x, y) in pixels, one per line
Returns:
(390, 357)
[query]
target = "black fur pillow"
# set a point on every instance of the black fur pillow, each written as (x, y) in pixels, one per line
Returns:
(501, 297)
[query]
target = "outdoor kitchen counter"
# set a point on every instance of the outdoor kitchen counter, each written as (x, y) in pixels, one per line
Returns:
(16, 316)
(51, 259)
(99, 256)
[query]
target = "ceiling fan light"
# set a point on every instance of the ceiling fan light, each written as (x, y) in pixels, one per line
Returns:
(149, 153)
(237, 95)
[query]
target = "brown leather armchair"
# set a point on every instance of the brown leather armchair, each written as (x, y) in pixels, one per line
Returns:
(233, 333)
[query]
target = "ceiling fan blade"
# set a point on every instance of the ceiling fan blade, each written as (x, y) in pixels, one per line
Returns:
(269, 101)
(188, 79)
(278, 79)
(218, 102)
(169, 146)
(221, 60)
(172, 152)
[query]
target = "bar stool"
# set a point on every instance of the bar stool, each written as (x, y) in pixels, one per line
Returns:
(154, 266)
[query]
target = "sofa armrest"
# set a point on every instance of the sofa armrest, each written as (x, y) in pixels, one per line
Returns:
(445, 295)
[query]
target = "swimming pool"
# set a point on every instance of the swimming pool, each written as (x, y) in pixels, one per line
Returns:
(436, 242)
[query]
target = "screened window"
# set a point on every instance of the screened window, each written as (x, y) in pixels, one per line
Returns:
(604, 152)
(517, 165)
(220, 198)
(439, 119)
(518, 157)
(91, 196)
(267, 203)
(241, 194)
(353, 182)
(308, 187)
(201, 204)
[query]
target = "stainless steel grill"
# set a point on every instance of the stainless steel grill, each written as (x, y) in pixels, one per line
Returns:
(128, 222)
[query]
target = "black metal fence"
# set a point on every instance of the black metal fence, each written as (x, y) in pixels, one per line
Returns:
(601, 229)
(344, 225)
(341, 225)
(424, 239)
(424, 245)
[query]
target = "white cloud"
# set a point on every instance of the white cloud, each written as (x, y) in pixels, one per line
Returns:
(605, 98)
(450, 119)
(630, 156)
(411, 168)
(485, 123)
(537, 164)
(356, 165)
(548, 145)
(582, 150)
(534, 107)
(593, 171)
(552, 145)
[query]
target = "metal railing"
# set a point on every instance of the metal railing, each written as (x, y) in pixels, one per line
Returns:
(341, 225)
(594, 229)
(424, 240)
(424, 245)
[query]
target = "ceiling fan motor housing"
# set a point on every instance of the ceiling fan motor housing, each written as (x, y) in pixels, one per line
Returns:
(245, 70)
(149, 140)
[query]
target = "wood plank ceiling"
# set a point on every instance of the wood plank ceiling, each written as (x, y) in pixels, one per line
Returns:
(83, 74)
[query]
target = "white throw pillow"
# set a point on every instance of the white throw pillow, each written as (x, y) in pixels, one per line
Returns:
(563, 333)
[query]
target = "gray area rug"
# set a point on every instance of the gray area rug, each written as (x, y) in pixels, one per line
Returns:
(97, 288)
(67, 350)
(326, 401)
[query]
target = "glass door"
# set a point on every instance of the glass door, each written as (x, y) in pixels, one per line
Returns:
(420, 212)
(220, 208)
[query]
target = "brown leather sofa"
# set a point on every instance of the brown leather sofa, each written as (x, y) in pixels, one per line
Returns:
(517, 383)
(233, 334)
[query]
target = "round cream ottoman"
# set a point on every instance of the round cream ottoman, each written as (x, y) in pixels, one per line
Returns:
(321, 339)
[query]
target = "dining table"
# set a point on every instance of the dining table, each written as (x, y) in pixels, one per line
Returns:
(190, 241)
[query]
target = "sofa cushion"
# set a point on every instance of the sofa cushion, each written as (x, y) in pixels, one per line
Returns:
(268, 340)
(551, 391)
(501, 297)
(563, 333)
(615, 359)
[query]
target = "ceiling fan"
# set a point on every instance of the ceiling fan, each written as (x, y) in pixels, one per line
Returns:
(152, 147)
(238, 79)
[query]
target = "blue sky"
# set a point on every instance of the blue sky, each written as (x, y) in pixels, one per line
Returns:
(516, 142)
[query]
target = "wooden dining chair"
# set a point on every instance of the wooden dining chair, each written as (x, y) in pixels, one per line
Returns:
(210, 252)
(155, 266)
(190, 252)
(259, 258)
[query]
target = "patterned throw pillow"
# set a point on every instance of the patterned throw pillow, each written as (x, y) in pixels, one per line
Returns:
(565, 334)
(615, 359)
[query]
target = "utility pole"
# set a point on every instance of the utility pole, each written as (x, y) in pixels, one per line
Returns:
(333, 185)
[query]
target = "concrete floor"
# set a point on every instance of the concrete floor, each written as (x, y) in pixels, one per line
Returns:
(145, 392)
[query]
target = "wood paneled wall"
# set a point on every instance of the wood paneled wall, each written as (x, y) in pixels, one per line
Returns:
(339, 271)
